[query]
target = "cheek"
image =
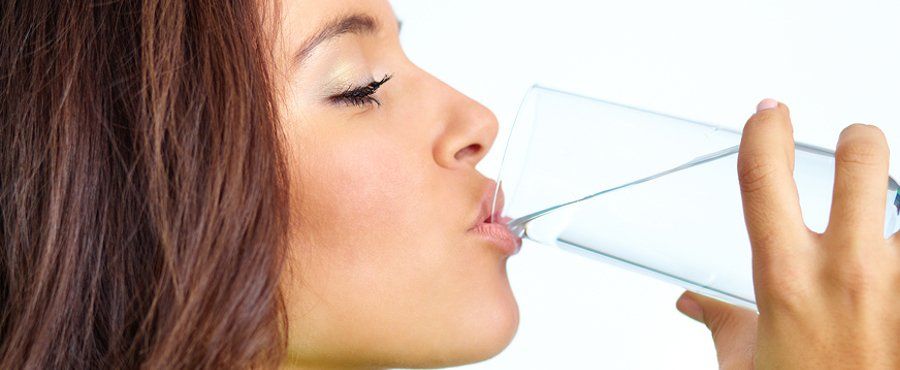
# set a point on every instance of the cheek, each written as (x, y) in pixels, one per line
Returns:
(359, 195)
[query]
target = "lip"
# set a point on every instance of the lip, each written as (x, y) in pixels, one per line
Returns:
(495, 232)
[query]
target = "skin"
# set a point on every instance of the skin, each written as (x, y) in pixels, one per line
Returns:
(826, 301)
(383, 271)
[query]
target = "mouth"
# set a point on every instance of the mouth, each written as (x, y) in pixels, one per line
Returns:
(492, 226)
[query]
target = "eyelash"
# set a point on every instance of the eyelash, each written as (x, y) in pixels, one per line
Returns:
(362, 95)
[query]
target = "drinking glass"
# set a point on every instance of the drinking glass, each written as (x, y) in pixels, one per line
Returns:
(647, 191)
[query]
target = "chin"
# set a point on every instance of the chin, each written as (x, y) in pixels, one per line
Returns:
(497, 334)
(489, 328)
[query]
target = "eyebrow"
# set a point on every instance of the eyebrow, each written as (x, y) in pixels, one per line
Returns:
(354, 23)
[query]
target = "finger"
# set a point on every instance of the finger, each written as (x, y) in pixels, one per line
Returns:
(769, 194)
(860, 183)
(733, 329)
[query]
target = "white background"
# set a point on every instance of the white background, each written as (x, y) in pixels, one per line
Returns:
(834, 63)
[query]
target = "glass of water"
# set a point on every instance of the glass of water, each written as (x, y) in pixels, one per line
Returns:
(647, 191)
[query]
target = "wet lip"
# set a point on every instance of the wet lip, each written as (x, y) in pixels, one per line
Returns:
(496, 231)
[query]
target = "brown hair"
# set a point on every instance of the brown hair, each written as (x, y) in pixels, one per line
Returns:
(142, 186)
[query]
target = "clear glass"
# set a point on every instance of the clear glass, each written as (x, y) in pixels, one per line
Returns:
(646, 191)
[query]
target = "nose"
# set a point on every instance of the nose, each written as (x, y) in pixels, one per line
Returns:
(469, 132)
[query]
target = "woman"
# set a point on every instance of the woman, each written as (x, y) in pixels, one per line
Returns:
(260, 184)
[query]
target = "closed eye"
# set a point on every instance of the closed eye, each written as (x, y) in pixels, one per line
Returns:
(360, 95)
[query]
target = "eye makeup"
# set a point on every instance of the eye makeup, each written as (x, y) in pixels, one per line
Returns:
(360, 95)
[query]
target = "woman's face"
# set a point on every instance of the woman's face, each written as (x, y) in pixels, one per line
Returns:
(385, 265)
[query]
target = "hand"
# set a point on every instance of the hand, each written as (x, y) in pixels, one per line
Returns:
(825, 301)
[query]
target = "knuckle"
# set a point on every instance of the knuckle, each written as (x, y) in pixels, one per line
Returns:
(755, 171)
(849, 273)
(855, 284)
(862, 145)
(783, 288)
(856, 276)
(788, 299)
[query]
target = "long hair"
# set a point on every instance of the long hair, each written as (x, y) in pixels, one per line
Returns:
(143, 187)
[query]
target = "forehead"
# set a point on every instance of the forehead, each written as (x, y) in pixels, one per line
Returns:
(303, 17)
(300, 20)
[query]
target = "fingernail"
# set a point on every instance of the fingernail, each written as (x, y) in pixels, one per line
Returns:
(766, 104)
(689, 308)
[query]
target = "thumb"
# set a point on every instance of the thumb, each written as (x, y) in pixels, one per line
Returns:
(733, 329)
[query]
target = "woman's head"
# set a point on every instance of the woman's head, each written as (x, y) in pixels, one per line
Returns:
(383, 266)
(207, 184)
